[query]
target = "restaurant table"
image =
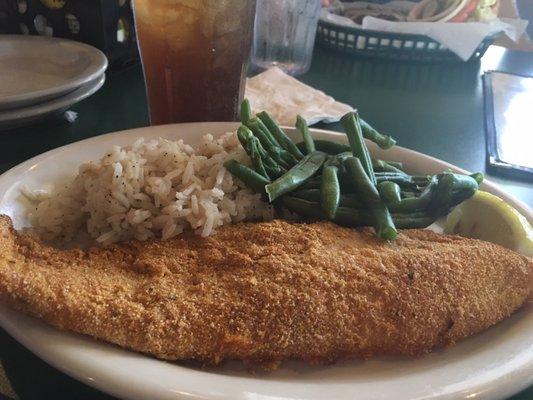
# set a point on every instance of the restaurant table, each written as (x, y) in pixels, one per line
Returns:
(436, 109)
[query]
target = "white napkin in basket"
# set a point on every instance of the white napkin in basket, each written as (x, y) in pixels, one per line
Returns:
(462, 39)
(284, 97)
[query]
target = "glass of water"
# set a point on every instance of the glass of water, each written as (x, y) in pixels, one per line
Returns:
(284, 34)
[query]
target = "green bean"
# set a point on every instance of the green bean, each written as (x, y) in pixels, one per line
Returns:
(401, 179)
(248, 142)
(392, 175)
(479, 177)
(301, 125)
(296, 176)
(353, 189)
(464, 188)
(389, 192)
(451, 190)
(334, 148)
(243, 133)
(287, 157)
(466, 182)
(461, 195)
(383, 141)
(383, 223)
(337, 160)
(461, 181)
(275, 153)
(284, 141)
(385, 166)
(350, 200)
(443, 194)
(307, 194)
(419, 222)
(330, 191)
(305, 208)
(408, 194)
(313, 183)
(352, 126)
(261, 131)
(246, 137)
(416, 203)
(406, 182)
(257, 161)
(330, 160)
(246, 111)
(347, 186)
(281, 156)
(345, 200)
(273, 169)
(353, 217)
(326, 146)
(395, 164)
(248, 176)
(421, 179)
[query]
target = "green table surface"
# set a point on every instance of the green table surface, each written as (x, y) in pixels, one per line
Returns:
(434, 109)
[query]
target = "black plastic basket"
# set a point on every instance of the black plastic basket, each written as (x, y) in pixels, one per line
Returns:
(392, 46)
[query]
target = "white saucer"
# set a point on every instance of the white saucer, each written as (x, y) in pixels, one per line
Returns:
(27, 115)
(34, 69)
(493, 364)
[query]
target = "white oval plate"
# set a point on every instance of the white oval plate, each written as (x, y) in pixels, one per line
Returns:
(30, 114)
(34, 69)
(490, 365)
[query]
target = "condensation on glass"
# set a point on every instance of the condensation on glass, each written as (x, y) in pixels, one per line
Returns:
(284, 34)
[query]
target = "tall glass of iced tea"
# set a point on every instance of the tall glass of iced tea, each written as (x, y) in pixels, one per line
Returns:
(194, 55)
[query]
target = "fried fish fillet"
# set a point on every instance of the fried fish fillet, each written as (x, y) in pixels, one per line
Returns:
(266, 292)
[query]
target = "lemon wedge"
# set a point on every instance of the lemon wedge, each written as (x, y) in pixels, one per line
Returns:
(487, 217)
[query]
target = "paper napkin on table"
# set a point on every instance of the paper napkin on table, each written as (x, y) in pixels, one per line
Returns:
(284, 97)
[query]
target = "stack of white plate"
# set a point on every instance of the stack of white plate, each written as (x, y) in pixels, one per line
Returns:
(40, 76)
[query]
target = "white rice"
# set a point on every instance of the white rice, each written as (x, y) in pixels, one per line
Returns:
(151, 189)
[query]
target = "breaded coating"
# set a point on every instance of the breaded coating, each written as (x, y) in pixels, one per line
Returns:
(267, 292)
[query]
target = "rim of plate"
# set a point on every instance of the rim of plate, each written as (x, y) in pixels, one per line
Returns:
(512, 380)
(58, 103)
(487, 183)
(96, 68)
